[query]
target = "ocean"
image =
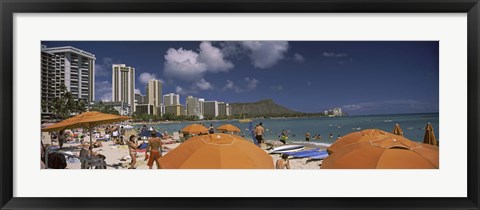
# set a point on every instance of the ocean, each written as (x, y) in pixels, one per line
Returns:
(413, 126)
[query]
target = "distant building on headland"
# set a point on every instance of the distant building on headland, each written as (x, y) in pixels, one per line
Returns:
(335, 112)
(123, 85)
(69, 66)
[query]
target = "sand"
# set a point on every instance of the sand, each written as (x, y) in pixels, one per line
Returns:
(117, 156)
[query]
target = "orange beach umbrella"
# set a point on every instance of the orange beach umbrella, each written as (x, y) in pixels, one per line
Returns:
(360, 136)
(397, 130)
(429, 137)
(229, 128)
(86, 120)
(195, 129)
(217, 151)
(391, 152)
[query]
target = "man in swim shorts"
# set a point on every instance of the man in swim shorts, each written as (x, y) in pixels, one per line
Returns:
(155, 149)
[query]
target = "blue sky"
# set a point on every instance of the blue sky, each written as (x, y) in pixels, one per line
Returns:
(367, 77)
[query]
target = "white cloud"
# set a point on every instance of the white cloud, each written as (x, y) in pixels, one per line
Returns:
(213, 58)
(183, 64)
(335, 55)
(251, 83)
(182, 91)
(203, 85)
(265, 54)
(298, 58)
(179, 90)
(278, 87)
(189, 65)
(231, 86)
(137, 91)
(248, 85)
(104, 67)
(145, 77)
(103, 91)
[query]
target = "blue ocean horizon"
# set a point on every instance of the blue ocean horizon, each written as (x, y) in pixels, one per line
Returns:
(413, 126)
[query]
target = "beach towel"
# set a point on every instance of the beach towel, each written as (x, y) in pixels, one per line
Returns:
(141, 150)
(143, 145)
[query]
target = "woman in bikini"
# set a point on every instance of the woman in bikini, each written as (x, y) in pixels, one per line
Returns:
(132, 148)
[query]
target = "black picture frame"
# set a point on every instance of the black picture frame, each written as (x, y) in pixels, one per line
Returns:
(10, 7)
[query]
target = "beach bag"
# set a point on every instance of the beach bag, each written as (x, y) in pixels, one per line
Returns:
(57, 161)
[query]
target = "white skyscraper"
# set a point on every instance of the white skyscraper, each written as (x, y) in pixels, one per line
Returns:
(171, 99)
(154, 94)
(74, 68)
(123, 84)
(194, 106)
(210, 108)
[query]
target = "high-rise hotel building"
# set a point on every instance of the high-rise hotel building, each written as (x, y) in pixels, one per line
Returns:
(123, 84)
(171, 99)
(154, 95)
(72, 67)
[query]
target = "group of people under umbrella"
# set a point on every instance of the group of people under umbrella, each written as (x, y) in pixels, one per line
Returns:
(368, 149)
(373, 148)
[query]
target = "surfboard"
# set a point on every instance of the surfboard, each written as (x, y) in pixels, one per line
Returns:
(285, 151)
(303, 152)
(287, 148)
(320, 157)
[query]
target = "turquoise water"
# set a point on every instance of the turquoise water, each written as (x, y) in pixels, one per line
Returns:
(413, 126)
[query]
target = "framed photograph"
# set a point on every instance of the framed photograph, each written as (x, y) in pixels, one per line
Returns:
(367, 104)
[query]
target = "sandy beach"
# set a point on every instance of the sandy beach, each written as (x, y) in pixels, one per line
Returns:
(117, 156)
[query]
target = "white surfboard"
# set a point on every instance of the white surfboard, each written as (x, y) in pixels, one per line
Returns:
(283, 151)
(287, 148)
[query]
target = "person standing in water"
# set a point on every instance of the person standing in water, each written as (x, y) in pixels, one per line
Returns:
(259, 131)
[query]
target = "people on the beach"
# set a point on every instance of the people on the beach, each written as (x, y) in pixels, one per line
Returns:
(338, 136)
(132, 149)
(155, 149)
(61, 138)
(259, 131)
(284, 136)
(283, 163)
(211, 130)
(115, 135)
(307, 136)
(330, 136)
(53, 136)
(97, 144)
(144, 128)
(122, 131)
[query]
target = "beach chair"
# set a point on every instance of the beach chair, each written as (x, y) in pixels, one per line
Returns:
(176, 137)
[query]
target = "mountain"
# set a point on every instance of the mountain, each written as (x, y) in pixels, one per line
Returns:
(259, 108)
